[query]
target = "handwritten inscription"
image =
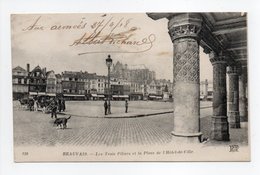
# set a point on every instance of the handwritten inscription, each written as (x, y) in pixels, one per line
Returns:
(37, 25)
(106, 31)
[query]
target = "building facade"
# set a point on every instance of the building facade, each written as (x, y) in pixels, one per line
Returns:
(20, 82)
(37, 80)
(73, 85)
(51, 83)
(77, 85)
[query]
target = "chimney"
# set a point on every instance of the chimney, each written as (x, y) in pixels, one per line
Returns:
(28, 68)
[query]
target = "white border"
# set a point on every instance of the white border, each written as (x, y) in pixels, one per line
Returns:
(8, 167)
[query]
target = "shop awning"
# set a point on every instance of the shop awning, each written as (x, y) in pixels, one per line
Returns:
(124, 96)
(101, 96)
(73, 95)
(152, 96)
(120, 96)
(35, 93)
(51, 94)
(94, 95)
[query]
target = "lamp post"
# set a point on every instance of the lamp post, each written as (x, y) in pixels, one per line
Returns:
(109, 63)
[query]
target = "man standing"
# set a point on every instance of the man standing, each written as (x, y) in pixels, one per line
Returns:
(59, 105)
(105, 106)
(126, 105)
(54, 108)
(63, 105)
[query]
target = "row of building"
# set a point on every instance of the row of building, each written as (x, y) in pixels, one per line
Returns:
(137, 83)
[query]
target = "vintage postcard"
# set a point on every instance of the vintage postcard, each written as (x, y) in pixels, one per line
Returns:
(130, 87)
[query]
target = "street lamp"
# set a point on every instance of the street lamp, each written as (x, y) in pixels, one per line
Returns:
(109, 63)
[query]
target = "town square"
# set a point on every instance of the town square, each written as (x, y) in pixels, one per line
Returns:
(120, 80)
(93, 128)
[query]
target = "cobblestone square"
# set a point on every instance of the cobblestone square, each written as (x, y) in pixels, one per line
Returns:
(84, 129)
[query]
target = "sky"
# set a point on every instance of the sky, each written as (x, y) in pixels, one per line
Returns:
(47, 41)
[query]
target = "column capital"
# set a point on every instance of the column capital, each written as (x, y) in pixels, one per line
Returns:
(233, 69)
(184, 25)
(242, 69)
(217, 58)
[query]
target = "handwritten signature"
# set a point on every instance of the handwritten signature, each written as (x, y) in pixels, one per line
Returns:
(125, 37)
(107, 30)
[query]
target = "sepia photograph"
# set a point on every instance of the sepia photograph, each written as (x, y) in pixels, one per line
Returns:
(130, 87)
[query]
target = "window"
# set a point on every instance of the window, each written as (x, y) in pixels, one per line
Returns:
(19, 81)
(70, 79)
(25, 81)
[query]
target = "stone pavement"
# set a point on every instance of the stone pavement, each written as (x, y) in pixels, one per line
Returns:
(95, 109)
(36, 128)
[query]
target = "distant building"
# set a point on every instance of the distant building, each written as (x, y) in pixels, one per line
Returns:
(100, 84)
(134, 83)
(120, 89)
(137, 76)
(58, 85)
(37, 81)
(51, 87)
(135, 73)
(20, 82)
(73, 85)
(206, 90)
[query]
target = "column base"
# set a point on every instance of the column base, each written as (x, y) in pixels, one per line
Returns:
(234, 119)
(219, 128)
(244, 124)
(189, 138)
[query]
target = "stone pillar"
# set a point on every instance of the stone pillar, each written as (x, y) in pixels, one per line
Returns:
(233, 97)
(184, 29)
(219, 122)
(242, 94)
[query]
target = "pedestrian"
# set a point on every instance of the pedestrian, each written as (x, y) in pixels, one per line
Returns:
(63, 106)
(54, 105)
(30, 104)
(105, 106)
(59, 105)
(126, 106)
(35, 105)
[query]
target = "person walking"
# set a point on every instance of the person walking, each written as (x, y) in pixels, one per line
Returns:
(63, 106)
(35, 105)
(105, 106)
(54, 105)
(30, 104)
(126, 106)
(59, 105)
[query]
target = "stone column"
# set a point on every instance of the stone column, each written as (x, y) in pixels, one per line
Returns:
(233, 97)
(184, 29)
(219, 122)
(242, 94)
